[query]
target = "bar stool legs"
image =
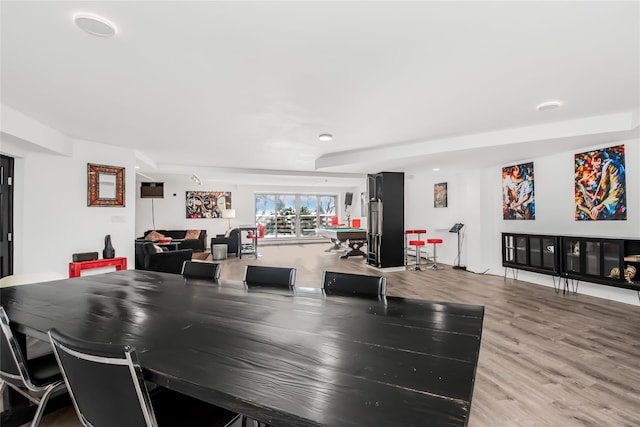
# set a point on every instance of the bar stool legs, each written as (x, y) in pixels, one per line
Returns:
(417, 244)
(435, 242)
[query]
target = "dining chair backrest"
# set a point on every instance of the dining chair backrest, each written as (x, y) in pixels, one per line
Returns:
(13, 365)
(201, 270)
(105, 382)
(349, 284)
(278, 277)
(37, 379)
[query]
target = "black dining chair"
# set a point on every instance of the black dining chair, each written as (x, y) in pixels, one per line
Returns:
(201, 270)
(273, 277)
(349, 284)
(37, 379)
(107, 389)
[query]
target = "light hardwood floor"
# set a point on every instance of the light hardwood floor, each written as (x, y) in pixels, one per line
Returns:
(546, 359)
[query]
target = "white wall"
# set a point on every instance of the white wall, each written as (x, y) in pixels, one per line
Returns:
(475, 199)
(420, 213)
(52, 220)
(170, 212)
(51, 217)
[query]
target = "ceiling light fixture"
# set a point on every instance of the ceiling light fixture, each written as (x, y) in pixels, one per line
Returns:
(94, 25)
(551, 105)
(436, 169)
(325, 137)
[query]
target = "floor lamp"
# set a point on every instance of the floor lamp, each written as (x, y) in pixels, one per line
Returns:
(228, 214)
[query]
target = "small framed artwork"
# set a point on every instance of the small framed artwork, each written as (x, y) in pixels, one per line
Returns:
(105, 185)
(440, 195)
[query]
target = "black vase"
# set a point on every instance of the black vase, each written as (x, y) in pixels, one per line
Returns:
(108, 251)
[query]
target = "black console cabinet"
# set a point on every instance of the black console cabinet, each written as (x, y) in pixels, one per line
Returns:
(385, 229)
(532, 252)
(591, 259)
(600, 260)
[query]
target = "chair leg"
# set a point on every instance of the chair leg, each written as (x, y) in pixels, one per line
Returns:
(4, 401)
(435, 265)
(40, 411)
(43, 402)
(417, 267)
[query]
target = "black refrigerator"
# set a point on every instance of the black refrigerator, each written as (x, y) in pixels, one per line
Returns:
(385, 230)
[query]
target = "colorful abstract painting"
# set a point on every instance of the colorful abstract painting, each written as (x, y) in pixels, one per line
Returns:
(205, 204)
(518, 197)
(600, 190)
(440, 195)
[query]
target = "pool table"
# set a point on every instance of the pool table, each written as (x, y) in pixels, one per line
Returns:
(353, 238)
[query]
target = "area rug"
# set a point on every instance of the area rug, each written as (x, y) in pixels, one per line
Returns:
(201, 256)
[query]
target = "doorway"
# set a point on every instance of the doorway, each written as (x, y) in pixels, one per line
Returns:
(6, 216)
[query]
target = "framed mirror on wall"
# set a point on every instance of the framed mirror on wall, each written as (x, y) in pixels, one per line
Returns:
(105, 185)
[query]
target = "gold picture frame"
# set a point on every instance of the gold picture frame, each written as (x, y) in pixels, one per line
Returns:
(105, 185)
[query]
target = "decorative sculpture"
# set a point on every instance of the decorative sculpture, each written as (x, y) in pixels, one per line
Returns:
(108, 251)
(629, 273)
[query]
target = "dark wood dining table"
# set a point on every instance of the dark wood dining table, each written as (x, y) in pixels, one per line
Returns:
(285, 358)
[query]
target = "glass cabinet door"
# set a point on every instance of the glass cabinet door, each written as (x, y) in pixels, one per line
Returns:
(521, 250)
(592, 256)
(611, 253)
(509, 249)
(535, 254)
(549, 253)
(572, 255)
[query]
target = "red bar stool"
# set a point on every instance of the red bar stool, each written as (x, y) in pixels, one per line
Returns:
(417, 244)
(406, 243)
(434, 242)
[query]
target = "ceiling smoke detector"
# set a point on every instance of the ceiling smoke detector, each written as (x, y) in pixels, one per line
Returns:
(551, 105)
(94, 25)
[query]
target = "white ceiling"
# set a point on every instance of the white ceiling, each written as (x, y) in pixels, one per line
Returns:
(220, 87)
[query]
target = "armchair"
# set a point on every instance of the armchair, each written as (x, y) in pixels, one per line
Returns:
(149, 258)
(232, 241)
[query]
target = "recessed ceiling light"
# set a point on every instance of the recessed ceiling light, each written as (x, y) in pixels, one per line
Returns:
(436, 169)
(548, 105)
(94, 25)
(325, 137)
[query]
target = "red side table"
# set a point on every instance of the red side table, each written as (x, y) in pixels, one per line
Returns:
(75, 268)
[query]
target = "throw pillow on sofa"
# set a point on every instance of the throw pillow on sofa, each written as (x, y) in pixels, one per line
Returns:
(192, 234)
(154, 236)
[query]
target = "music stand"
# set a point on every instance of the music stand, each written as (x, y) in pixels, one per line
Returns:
(456, 229)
